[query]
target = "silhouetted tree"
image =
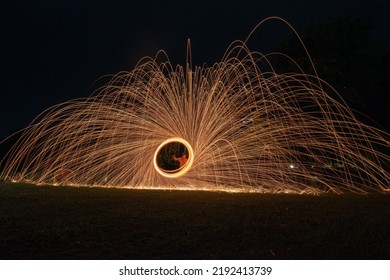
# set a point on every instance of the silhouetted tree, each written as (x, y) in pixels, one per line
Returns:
(347, 56)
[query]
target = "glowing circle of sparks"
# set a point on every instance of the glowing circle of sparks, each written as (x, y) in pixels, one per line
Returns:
(183, 169)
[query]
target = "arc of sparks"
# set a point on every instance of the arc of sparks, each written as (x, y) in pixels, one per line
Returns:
(247, 127)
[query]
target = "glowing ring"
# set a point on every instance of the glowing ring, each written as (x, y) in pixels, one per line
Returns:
(177, 172)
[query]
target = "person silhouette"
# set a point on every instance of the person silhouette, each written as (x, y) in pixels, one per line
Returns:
(182, 160)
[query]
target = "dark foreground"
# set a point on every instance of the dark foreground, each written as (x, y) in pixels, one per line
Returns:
(92, 223)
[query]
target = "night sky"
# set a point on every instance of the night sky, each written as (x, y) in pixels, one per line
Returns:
(53, 51)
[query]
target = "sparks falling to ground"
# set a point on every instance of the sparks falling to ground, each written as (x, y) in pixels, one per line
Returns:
(237, 126)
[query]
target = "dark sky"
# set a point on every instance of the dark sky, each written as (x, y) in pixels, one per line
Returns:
(53, 51)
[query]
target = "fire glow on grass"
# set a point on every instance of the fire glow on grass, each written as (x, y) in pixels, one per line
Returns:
(240, 125)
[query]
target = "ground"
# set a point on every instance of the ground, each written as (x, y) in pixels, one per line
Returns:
(49, 222)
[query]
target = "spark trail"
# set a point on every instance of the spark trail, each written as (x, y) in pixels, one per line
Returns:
(245, 127)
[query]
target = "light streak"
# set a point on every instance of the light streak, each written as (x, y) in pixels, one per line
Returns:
(182, 169)
(247, 128)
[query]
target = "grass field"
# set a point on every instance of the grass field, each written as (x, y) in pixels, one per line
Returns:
(94, 223)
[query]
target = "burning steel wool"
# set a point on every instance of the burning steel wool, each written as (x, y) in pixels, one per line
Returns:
(238, 126)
